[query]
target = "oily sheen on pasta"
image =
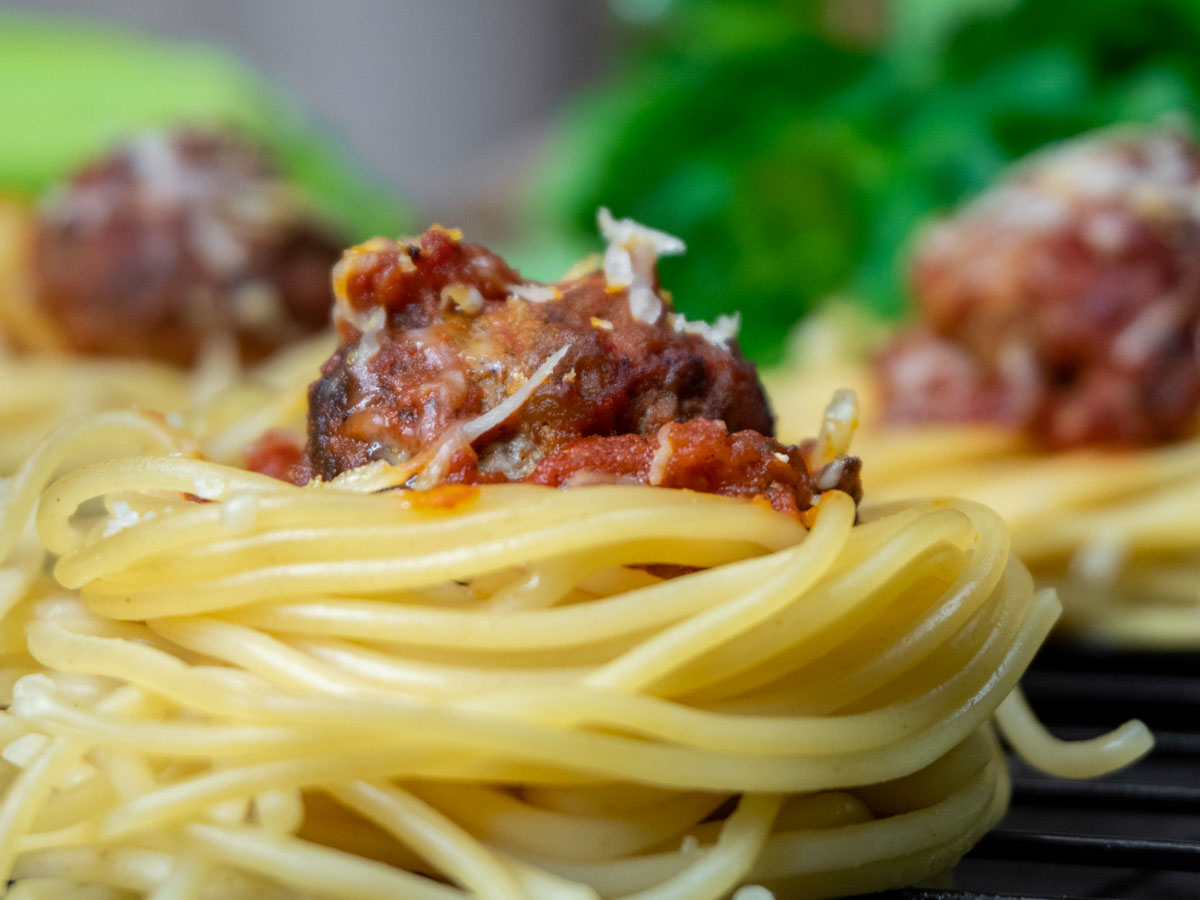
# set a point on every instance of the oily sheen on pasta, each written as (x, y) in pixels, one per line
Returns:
(223, 685)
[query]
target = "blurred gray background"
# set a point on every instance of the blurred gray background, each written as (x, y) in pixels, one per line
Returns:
(446, 99)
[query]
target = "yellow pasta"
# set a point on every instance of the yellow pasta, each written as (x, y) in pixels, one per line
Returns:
(222, 407)
(1114, 531)
(221, 685)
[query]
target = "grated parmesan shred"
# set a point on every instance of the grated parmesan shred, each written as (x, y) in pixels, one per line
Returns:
(208, 487)
(464, 298)
(837, 426)
(662, 456)
(359, 360)
(1100, 561)
(627, 231)
(434, 471)
(1153, 327)
(440, 455)
(831, 474)
(344, 312)
(123, 516)
(630, 261)
(720, 333)
(536, 293)
(258, 305)
(499, 413)
(1156, 184)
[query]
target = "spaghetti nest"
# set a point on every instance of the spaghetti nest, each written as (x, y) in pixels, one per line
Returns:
(221, 685)
(1113, 530)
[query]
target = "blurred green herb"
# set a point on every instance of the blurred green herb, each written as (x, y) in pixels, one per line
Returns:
(796, 145)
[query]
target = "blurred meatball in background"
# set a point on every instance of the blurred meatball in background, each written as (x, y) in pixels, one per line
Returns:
(1065, 299)
(177, 239)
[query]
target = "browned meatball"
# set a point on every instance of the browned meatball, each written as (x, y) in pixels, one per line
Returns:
(1065, 300)
(174, 239)
(700, 455)
(435, 333)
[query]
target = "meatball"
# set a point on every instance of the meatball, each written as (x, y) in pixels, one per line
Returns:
(175, 239)
(1065, 300)
(451, 363)
(436, 332)
(700, 455)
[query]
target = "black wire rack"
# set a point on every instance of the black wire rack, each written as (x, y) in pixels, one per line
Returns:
(1134, 835)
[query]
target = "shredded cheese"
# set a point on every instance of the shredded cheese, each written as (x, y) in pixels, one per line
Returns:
(359, 360)
(207, 487)
(720, 333)
(536, 293)
(502, 411)
(435, 470)
(463, 297)
(837, 426)
(662, 455)
(123, 516)
(1100, 561)
(428, 467)
(1152, 327)
(258, 304)
(831, 474)
(627, 231)
(631, 259)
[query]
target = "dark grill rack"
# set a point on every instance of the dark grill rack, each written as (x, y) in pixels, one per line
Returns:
(1134, 835)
